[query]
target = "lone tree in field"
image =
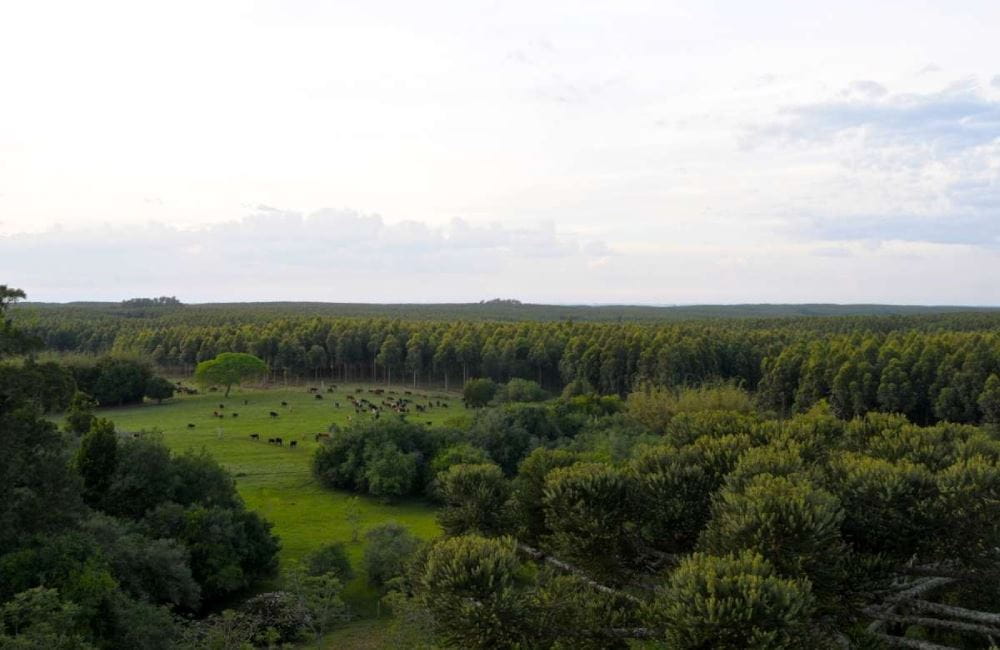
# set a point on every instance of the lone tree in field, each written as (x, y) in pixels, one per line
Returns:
(229, 368)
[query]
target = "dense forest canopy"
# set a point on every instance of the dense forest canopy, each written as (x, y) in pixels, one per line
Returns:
(929, 366)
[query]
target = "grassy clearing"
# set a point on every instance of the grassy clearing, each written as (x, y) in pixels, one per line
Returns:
(277, 481)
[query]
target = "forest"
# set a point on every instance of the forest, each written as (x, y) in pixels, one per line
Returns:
(780, 482)
(933, 366)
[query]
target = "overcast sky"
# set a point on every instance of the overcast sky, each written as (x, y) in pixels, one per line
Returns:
(636, 152)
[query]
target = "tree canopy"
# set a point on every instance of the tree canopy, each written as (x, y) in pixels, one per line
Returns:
(229, 369)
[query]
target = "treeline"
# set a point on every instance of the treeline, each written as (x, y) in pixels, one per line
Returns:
(108, 381)
(930, 367)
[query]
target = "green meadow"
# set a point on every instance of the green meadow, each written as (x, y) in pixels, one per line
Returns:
(277, 481)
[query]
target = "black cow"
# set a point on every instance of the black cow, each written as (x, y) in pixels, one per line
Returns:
(236, 415)
(318, 396)
(278, 441)
(284, 403)
(293, 443)
(270, 441)
(190, 425)
(255, 436)
(222, 406)
(273, 414)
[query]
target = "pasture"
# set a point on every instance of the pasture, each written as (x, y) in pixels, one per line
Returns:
(276, 481)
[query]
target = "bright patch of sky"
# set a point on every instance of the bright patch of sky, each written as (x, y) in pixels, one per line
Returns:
(642, 152)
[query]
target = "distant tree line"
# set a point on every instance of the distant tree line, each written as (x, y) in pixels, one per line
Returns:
(930, 368)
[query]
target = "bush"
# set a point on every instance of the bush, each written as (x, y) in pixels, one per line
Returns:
(385, 458)
(330, 559)
(475, 498)
(159, 389)
(280, 611)
(461, 453)
(477, 393)
(389, 546)
(509, 432)
(733, 602)
(521, 390)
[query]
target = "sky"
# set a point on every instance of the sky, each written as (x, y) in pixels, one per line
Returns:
(560, 152)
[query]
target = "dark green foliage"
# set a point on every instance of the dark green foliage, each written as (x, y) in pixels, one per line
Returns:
(80, 415)
(471, 583)
(676, 491)
(461, 453)
(477, 393)
(281, 613)
(385, 458)
(732, 602)
(159, 389)
(119, 381)
(989, 400)
(589, 509)
(47, 385)
(37, 619)
(330, 559)
(144, 478)
(96, 460)
(520, 390)
(230, 549)
(389, 547)
(509, 432)
(41, 492)
(475, 500)
(153, 570)
(199, 478)
(790, 522)
(527, 503)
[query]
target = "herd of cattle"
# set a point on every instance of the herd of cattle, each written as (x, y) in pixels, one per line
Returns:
(388, 401)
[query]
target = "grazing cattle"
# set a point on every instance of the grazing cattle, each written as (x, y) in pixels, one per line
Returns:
(359, 390)
(429, 423)
(293, 443)
(337, 404)
(318, 396)
(270, 441)
(255, 436)
(330, 389)
(245, 402)
(406, 392)
(322, 436)
(222, 406)
(284, 403)
(236, 415)
(190, 425)
(135, 435)
(273, 414)
(278, 441)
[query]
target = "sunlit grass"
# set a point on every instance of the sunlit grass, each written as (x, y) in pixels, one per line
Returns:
(277, 481)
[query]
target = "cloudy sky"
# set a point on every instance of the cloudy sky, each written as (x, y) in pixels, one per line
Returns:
(594, 152)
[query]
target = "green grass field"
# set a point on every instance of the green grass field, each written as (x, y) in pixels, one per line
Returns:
(277, 481)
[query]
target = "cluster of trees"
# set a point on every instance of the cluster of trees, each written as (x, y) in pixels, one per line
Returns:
(391, 457)
(109, 381)
(105, 539)
(930, 367)
(724, 529)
